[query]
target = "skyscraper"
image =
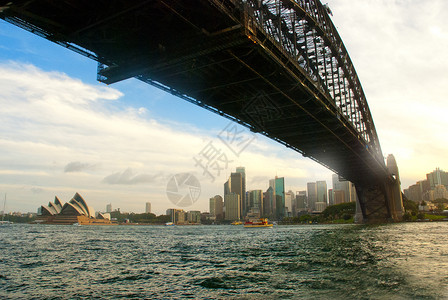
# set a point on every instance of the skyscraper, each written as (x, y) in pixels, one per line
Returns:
(280, 196)
(227, 187)
(290, 203)
(322, 194)
(268, 198)
(232, 204)
(301, 202)
(216, 207)
(437, 177)
(255, 203)
(340, 184)
(311, 188)
(242, 171)
(109, 207)
(148, 208)
(236, 186)
(321, 191)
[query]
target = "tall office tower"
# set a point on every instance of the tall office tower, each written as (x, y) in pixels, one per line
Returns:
(268, 198)
(255, 203)
(322, 191)
(311, 188)
(338, 197)
(279, 193)
(148, 208)
(437, 177)
(236, 186)
(290, 203)
(232, 203)
(194, 217)
(109, 207)
(216, 207)
(178, 216)
(242, 171)
(340, 184)
(226, 187)
(330, 197)
(301, 201)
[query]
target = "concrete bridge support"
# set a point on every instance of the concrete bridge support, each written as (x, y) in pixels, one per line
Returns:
(381, 201)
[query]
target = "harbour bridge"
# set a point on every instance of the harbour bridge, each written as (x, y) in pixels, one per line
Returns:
(278, 67)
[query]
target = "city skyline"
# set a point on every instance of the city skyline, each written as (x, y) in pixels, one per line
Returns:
(115, 146)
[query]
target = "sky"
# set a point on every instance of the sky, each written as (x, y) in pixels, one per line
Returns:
(62, 132)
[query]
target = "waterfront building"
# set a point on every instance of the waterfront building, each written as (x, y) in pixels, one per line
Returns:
(53, 208)
(148, 207)
(437, 177)
(440, 192)
(194, 217)
(178, 216)
(415, 192)
(429, 189)
(232, 203)
(268, 202)
(278, 186)
(321, 187)
(74, 211)
(340, 184)
(227, 187)
(311, 188)
(330, 197)
(301, 202)
(338, 197)
(290, 203)
(255, 203)
(216, 207)
(320, 206)
(242, 171)
(235, 185)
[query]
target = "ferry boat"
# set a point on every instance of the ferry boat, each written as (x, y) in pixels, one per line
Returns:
(256, 224)
(237, 223)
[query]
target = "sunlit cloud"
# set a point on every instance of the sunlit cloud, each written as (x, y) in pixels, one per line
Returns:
(60, 135)
(128, 177)
(77, 166)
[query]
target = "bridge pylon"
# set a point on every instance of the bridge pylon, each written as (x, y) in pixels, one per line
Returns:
(381, 201)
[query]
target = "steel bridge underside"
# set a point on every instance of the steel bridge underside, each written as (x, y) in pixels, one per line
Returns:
(204, 52)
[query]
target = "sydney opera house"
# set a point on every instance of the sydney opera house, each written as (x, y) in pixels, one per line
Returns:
(76, 211)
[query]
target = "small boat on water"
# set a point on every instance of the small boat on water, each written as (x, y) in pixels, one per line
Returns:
(169, 224)
(256, 224)
(237, 223)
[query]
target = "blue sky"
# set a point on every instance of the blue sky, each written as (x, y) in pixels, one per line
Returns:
(63, 132)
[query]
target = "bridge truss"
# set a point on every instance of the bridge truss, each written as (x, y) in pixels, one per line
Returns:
(278, 67)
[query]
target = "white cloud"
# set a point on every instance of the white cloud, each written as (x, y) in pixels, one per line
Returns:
(50, 121)
(60, 136)
(399, 49)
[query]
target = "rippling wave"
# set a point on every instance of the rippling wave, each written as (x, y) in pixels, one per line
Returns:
(395, 261)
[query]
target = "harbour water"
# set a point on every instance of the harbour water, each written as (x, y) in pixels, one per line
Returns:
(394, 261)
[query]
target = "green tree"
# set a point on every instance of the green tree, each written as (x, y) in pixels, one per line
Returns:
(339, 211)
(409, 205)
(440, 207)
(407, 217)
